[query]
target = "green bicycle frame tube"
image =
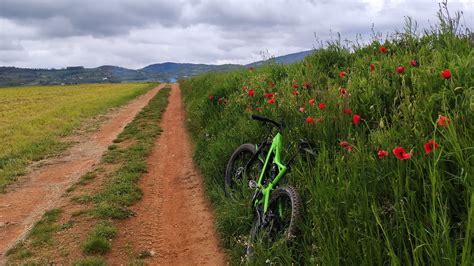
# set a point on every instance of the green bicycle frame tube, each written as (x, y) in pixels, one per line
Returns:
(275, 149)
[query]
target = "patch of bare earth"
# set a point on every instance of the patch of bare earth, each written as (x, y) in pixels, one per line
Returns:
(24, 202)
(173, 224)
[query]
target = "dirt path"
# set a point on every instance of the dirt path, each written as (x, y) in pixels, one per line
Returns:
(25, 202)
(173, 221)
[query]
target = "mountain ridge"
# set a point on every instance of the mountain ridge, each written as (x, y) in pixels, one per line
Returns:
(163, 72)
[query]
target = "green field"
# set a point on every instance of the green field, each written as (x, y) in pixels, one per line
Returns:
(34, 119)
(362, 204)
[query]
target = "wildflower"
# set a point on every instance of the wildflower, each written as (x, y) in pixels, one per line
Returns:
(401, 154)
(342, 74)
(301, 109)
(258, 109)
(272, 101)
(372, 67)
(347, 111)
(271, 84)
(295, 86)
(306, 85)
(382, 49)
(446, 74)
(269, 95)
(414, 63)
(382, 153)
(221, 101)
(443, 121)
(251, 93)
(295, 93)
(312, 101)
(211, 98)
(343, 91)
(309, 120)
(400, 70)
(356, 119)
(346, 145)
(430, 146)
(245, 88)
(322, 106)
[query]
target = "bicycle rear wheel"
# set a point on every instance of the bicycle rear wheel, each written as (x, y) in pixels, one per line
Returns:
(240, 170)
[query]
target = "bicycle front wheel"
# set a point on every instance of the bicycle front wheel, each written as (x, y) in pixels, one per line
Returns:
(280, 222)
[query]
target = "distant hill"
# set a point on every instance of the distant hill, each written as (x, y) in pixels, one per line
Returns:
(285, 59)
(163, 72)
(173, 71)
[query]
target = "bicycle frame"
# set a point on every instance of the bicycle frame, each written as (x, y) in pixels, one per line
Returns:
(275, 152)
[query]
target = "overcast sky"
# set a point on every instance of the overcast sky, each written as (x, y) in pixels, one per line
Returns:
(136, 33)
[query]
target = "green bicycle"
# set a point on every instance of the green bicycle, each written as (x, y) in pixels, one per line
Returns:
(255, 171)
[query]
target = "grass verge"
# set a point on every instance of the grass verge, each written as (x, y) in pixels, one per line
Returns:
(364, 203)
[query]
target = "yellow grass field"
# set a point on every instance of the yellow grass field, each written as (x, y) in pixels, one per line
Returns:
(33, 119)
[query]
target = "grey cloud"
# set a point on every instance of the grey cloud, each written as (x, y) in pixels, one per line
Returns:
(57, 33)
(89, 17)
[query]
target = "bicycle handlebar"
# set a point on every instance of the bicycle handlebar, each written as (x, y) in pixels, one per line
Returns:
(266, 120)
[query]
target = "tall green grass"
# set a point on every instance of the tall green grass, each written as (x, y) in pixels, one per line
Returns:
(33, 119)
(359, 209)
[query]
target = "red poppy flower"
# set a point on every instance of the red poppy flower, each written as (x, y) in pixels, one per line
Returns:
(382, 153)
(372, 67)
(251, 93)
(343, 91)
(401, 154)
(269, 95)
(382, 49)
(342, 73)
(309, 120)
(221, 100)
(356, 119)
(414, 63)
(322, 106)
(295, 86)
(301, 109)
(211, 98)
(295, 93)
(443, 121)
(258, 109)
(306, 85)
(347, 111)
(312, 101)
(446, 74)
(272, 101)
(271, 84)
(346, 145)
(430, 146)
(400, 70)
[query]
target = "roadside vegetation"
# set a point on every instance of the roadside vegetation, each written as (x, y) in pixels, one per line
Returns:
(34, 119)
(84, 232)
(392, 121)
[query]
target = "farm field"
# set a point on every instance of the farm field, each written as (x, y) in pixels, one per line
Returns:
(34, 119)
(393, 178)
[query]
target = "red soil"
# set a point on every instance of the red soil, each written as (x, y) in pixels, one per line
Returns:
(173, 223)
